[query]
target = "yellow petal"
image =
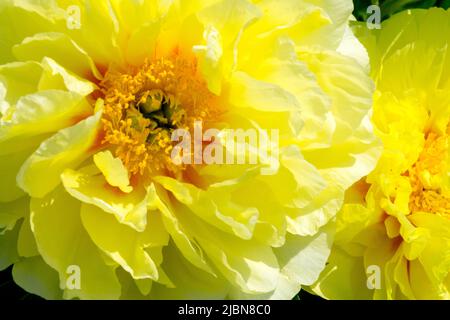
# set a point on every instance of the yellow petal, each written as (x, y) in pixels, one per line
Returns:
(61, 49)
(89, 186)
(67, 149)
(26, 244)
(188, 246)
(63, 243)
(343, 278)
(37, 277)
(114, 171)
(123, 244)
(11, 212)
(198, 285)
(214, 206)
(8, 252)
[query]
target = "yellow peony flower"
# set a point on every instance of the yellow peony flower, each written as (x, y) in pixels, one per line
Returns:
(393, 233)
(92, 203)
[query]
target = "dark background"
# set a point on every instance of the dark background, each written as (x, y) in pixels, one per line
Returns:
(9, 290)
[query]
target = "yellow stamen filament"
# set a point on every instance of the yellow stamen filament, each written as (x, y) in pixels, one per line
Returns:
(144, 105)
(428, 177)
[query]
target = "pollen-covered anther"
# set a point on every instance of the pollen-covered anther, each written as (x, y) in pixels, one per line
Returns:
(427, 175)
(144, 105)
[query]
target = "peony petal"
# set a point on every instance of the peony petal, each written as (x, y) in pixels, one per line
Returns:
(96, 18)
(61, 49)
(55, 76)
(19, 79)
(158, 199)
(198, 285)
(224, 23)
(246, 264)
(343, 278)
(63, 242)
(247, 92)
(303, 258)
(26, 244)
(89, 186)
(114, 171)
(8, 252)
(36, 277)
(45, 112)
(221, 213)
(123, 244)
(11, 212)
(68, 148)
(9, 167)
(20, 19)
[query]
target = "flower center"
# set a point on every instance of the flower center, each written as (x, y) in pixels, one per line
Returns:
(144, 105)
(429, 175)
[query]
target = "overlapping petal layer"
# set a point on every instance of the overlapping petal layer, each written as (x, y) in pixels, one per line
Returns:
(206, 231)
(393, 233)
